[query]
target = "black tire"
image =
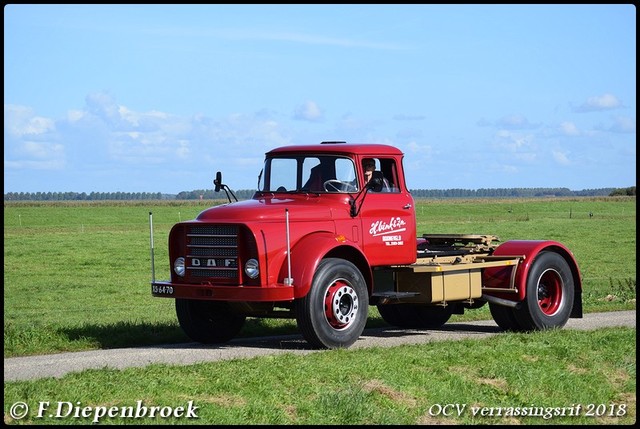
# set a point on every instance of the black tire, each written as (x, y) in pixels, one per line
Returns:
(549, 294)
(208, 322)
(334, 312)
(416, 316)
(504, 317)
(431, 316)
(392, 315)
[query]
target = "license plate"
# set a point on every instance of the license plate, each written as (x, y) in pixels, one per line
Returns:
(162, 289)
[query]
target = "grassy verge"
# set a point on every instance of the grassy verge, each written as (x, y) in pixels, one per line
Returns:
(555, 377)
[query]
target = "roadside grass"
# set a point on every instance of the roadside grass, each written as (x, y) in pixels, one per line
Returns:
(76, 274)
(554, 377)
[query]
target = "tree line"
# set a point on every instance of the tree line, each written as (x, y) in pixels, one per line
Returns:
(82, 196)
(243, 194)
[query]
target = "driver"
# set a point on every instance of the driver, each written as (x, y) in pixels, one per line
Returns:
(368, 167)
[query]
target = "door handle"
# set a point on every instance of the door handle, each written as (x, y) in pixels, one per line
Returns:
(407, 206)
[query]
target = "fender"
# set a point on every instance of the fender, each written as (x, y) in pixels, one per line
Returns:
(500, 277)
(307, 253)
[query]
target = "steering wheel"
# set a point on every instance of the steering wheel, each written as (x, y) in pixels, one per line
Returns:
(338, 186)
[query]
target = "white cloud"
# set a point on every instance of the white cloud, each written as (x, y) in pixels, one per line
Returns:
(515, 122)
(41, 150)
(52, 164)
(560, 157)
(514, 142)
(103, 105)
(308, 111)
(31, 141)
(183, 150)
(623, 125)
(75, 115)
(569, 129)
(247, 34)
(37, 156)
(504, 168)
(20, 121)
(403, 117)
(416, 148)
(601, 102)
(108, 139)
(528, 157)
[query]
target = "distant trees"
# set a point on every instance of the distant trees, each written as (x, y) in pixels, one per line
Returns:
(244, 194)
(201, 194)
(82, 196)
(623, 191)
(508, 193)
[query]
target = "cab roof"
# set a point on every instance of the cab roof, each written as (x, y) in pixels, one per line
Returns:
(360, 149)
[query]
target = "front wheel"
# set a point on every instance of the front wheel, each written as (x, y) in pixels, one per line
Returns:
(208, 322)
(334, 312)
(550, 293)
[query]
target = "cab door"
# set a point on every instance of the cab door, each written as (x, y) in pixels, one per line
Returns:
(388, 220)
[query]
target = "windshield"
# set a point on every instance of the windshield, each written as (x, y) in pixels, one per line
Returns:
(319, 173)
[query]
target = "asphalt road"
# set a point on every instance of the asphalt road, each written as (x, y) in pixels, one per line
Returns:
(57, 365)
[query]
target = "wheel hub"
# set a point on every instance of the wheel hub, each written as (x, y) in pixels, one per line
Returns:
(341, 304)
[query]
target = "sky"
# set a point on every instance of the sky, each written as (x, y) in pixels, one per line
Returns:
(158, 98)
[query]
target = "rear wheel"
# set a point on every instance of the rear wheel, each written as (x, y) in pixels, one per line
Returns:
(550, 293)
(334, 312)
(208, 322)
(504, 317)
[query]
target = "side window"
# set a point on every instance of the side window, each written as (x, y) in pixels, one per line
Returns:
(390, 171)
(385, 168)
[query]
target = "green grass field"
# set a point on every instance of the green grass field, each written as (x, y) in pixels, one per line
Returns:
(77, 278)
(76, 275)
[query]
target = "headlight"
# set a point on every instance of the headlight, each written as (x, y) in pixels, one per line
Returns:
(178, 266)
(251, 268)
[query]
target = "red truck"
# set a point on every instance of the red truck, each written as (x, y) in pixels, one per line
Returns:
(320, 244)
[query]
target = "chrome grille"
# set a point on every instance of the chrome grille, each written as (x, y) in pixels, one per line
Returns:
(212, 252)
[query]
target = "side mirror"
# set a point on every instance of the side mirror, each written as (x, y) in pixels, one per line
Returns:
(218, 181)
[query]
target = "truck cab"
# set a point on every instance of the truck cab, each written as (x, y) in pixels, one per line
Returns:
(379, 220)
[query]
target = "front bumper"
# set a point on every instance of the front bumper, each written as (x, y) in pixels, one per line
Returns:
(275, 292)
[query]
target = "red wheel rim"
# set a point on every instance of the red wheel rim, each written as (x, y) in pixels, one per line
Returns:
(340, 304)
(550, 292)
